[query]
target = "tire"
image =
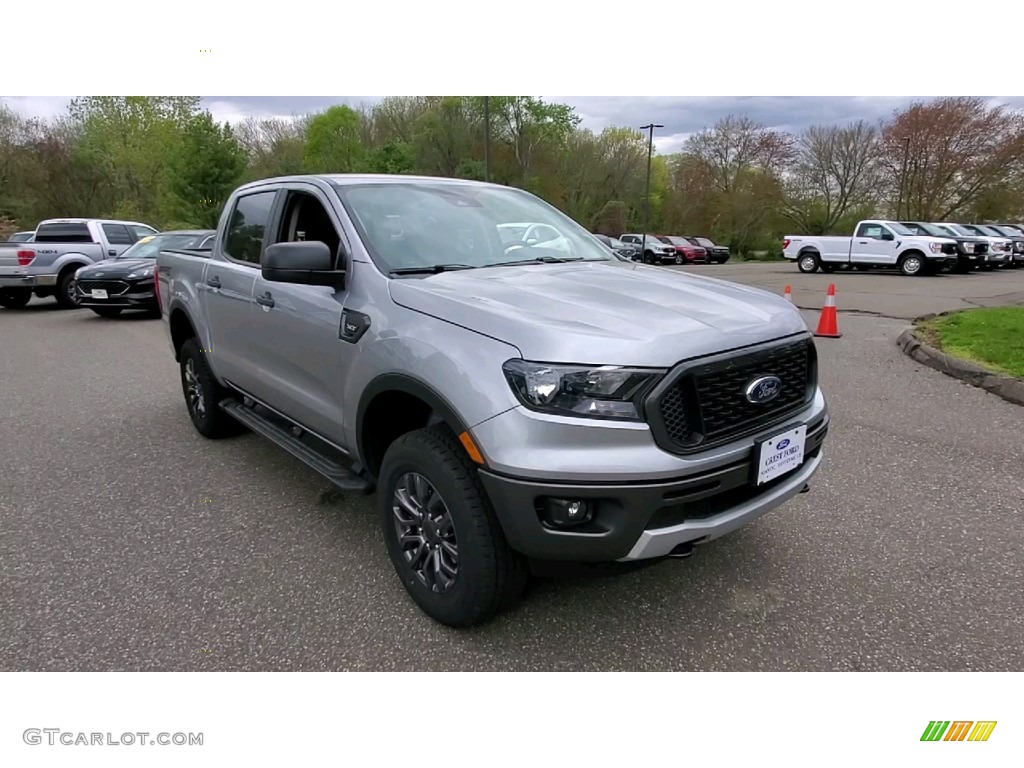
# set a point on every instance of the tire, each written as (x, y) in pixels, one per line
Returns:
(15, 298)
(107, 311)
(203, 393)
(808, 262)
(679, 259)
(65, 293)
(648, 257)
(488, 575)
(912, 264)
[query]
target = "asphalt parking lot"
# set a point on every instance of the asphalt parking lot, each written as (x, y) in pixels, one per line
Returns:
(128, 542)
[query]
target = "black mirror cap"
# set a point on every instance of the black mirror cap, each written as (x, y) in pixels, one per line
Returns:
(307, 255)
(306, 263)
(888, 236)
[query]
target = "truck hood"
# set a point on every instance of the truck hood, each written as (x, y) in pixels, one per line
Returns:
(114, 268)
(606, 313)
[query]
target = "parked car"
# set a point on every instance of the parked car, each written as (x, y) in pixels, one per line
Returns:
(650, 249)
(970, 251)
(875, 244)
(999, 248)
(424, 367)
(1015, 236)
(22, 237)
(686, 252)
(719, 254)
(628, 250)
(126, 281)
(47, 265)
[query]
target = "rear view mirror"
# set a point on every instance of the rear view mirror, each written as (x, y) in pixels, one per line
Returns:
(888, 236)
(305, 263)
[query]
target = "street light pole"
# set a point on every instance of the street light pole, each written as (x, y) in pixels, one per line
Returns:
(487, 138)
(647, 190)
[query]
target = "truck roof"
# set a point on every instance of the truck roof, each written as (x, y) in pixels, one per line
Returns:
(74, 220)
(344, 179)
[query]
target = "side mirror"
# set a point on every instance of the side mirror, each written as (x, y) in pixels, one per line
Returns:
(887, 236)
(305, 263)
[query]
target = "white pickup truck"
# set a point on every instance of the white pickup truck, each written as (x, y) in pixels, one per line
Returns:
(876, 243)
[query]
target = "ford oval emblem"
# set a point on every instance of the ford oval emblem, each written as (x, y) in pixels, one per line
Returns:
(763, 389)
(782, 444)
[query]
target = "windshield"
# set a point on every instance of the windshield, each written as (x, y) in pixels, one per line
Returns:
(928, 229)
(967, 229)
(419, 225)
(150, 247)
(705, 242)
(991, 231)
(21, 237)
(898, 228)
(678, 241)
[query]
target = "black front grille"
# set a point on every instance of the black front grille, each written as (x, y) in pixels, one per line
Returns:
(703, 402)
(110, 286)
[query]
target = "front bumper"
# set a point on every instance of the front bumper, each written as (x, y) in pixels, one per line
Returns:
(26, 281)
(137, 296)
(641, 520)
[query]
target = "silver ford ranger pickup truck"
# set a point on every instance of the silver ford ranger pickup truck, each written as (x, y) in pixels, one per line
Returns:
(512, 403)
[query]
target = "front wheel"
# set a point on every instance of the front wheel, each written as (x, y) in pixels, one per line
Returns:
(441, 532)
(911, 264)
(15, 298)
(66, 294)
(808, 262)
(679, 259)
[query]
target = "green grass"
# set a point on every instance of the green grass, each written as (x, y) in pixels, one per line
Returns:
(992, 337)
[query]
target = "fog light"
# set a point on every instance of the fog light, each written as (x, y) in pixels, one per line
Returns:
(566, 513)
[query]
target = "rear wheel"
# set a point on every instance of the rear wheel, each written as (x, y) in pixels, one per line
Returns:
(15, 298)
(65, 293)
(808, 262)
(203, 394)
(107, 311)
(441, 532)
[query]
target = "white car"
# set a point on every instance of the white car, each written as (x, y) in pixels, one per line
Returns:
(875, 243)
(1000, 249)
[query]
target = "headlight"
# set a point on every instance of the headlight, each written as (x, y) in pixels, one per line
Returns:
(603, 392)
(936, 247)
(144, 272)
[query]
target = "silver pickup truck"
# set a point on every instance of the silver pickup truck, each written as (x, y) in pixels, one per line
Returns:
(513, 405)
(46, 266)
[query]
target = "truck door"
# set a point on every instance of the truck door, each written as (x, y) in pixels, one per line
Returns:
(296, 329)
(873, 243)
(228, 288)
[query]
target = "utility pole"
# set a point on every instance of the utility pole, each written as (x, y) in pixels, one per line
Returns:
(647, 189)
(487, 138)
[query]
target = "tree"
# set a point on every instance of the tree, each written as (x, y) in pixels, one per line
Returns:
(204, 169)
(941, 156)
(836, 170)
(131, 138)
(274, 146)
(393, 157)
(443, 137)
(525, 124)
(333, 143)
(610, 220)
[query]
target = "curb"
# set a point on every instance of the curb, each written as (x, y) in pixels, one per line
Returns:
(1009, 388)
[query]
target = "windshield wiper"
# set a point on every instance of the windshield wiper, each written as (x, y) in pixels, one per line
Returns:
(432, 269)
(538, 260)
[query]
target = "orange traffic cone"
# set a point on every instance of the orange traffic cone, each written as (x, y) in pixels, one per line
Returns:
(828, 325)
(788, 294)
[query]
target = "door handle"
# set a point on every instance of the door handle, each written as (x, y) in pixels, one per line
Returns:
(266, 300)
(863, 242)
(213, 282)
(111, 252)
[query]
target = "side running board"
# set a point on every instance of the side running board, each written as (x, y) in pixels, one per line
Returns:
(341, 476)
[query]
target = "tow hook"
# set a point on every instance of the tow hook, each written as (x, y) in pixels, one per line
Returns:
(806, 488)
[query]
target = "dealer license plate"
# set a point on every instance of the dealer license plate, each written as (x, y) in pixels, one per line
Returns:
(781, 454)
(99, 293)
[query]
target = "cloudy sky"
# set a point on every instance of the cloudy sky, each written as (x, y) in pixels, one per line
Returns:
(680, 115)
